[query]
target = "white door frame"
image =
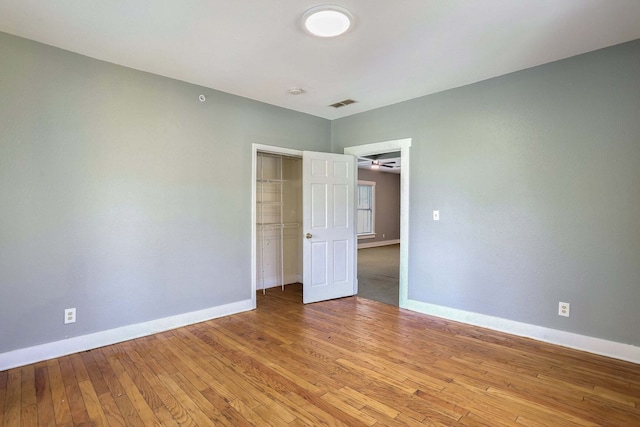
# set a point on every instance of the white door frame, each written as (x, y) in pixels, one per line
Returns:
(254, 177)
(401, 145)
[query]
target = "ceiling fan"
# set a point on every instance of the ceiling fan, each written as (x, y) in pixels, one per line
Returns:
(376, 163)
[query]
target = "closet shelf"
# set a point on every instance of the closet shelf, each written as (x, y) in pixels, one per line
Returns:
(269, 203)
(275, 226)
(271, 181)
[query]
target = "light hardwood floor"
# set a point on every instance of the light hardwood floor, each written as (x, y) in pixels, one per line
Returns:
(345, 362)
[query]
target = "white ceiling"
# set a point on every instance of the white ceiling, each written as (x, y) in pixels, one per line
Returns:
(397, 50)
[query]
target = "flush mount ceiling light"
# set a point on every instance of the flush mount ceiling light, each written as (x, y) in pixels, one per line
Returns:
(327, 20)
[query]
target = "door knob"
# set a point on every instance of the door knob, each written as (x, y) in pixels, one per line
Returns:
(309, 235)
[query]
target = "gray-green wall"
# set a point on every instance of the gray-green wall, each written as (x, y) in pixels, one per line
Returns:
(124, 196)
(121, 194)
(536, 176)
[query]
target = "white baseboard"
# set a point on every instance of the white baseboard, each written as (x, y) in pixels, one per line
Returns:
(38, 353)
(376, 244)
(599, 346)
(272, 282)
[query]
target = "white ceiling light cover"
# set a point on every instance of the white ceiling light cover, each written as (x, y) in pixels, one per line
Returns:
(327, 20)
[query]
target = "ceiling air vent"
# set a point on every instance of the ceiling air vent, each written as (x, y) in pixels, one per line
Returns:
(343, 103)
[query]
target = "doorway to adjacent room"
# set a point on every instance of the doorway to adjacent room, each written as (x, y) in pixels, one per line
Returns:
(383, 272)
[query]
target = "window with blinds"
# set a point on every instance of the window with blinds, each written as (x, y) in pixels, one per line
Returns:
(366, 208)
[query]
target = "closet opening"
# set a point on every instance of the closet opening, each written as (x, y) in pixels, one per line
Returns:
(278, 220)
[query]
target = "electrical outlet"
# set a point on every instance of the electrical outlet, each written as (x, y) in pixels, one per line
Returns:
(69, 315)
(564, 309)
(436, 215)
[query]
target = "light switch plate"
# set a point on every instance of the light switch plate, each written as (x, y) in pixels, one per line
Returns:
(436, 215)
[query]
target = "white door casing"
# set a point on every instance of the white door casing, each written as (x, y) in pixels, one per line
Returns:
(402, 145)
(329, 233)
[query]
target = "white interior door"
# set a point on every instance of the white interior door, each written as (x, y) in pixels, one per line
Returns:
(328, 192)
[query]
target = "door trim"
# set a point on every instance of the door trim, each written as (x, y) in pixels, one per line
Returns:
(403, 146)
(254, 175)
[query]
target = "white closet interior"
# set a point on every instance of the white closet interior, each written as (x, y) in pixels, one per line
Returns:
(279, 220)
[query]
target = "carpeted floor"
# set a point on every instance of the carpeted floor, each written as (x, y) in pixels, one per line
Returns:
(378, 273)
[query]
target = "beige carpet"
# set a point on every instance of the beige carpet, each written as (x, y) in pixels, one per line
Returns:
(378, 273)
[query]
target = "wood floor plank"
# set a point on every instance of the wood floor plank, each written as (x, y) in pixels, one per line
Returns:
(45, 411)
(480, 403)
(251, 416)
(276, 413)
(29, 415)
(80, 371)
(344, 362)
(138, 401)
(443, 406)
(106, 371)
(77, 408)
(169, 401)
(29, 410)
(477, 420)
(408, 420)
(111, 410)
(372, 374)
(94, 407)
(186, 361)
(374, 404)
(313, 415)
(533, 410)
(128, 411)
(123, 404)
(3, 393)
(235, 375)
(342, 404)
(28, 386)
(432, 412)
(180, 412)
(61, 408)
(203, 405)
(214, 383)
(605, 412)
(235, 413)
(4, 377)
(12, 405)
(226, 381)
(142, 385)
(165, 418)
(93, 371)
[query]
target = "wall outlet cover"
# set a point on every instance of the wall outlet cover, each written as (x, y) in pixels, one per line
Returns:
(564, 309)
(69, 315)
